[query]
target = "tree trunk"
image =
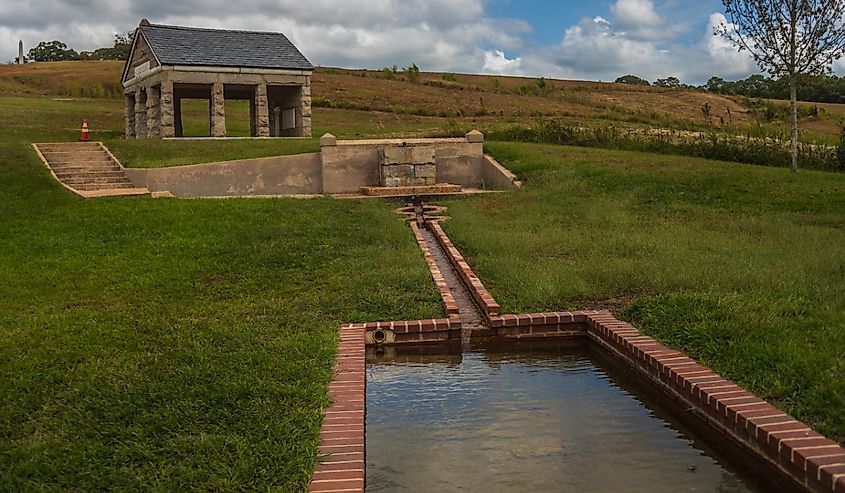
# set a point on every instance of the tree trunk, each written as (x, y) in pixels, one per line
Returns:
(793, 96)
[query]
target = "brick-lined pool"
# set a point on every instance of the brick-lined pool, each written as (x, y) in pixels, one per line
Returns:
(557, 418)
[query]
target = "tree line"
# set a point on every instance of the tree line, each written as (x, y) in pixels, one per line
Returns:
(816, 89)
(57, 51)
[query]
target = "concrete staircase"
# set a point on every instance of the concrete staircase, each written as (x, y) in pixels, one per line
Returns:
(88, 169)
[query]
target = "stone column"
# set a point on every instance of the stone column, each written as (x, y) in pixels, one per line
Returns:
(153, 112)
(129, 114)
(305, 109)
(168, 127)
(141, 114)
(218, 111)
(262, 111)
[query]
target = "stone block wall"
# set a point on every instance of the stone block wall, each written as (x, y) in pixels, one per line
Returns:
(401, 166)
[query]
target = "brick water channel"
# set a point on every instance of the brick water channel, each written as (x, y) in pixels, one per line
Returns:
(471, 317)
(777, 446)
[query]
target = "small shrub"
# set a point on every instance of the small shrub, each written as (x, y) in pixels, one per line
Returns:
(537, 88)
(94, 91)
(450, 77)
(840, 149)
(412, 73)
(751, 150)
(706, 110)
(321, 102)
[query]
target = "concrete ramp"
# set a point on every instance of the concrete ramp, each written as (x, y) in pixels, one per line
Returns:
(87, 169)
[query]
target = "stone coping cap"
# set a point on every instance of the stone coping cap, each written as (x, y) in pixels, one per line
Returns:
(393, 142)
(475, 137)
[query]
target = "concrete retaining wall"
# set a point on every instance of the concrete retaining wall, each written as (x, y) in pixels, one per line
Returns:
(497, 177)
(281, 175)
(341, 167)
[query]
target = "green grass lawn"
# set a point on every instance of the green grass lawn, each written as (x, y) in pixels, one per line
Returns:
(45, 119)
(742, 267)
(180, 344)
(187, 344)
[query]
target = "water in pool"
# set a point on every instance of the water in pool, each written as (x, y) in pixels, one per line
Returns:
(553, 419)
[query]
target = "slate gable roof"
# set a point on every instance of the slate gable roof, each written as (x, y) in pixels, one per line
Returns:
(176, 45)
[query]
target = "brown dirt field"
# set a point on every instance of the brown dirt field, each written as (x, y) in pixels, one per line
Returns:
(480, 94)
(476, 97)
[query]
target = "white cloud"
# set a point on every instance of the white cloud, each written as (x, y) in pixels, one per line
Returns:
(599, 49)
(639, 21)
(496, 62)
(595, 49)
(435, 34)
(632, 36)
(722, 57)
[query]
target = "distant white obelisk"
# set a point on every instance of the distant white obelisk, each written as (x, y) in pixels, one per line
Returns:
(20, 52)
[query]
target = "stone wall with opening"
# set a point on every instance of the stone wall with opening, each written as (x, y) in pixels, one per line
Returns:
(279, 101)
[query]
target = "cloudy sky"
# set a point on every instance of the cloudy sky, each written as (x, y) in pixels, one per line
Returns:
(594, 40)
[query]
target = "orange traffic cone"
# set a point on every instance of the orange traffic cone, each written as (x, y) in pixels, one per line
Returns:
(84, 135)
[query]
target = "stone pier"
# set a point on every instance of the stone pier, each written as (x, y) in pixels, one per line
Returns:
(153, 112)
(217, 115)
(140, 113)
(166, 110)
(262, 110)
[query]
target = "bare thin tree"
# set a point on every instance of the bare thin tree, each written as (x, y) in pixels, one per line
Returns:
(788, 38)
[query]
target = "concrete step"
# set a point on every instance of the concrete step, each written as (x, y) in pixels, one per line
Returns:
(89, 169)
(69, 146)
(103, 179)
(88, 173)
(73, 156)
(102, 186)
(81, 162)
(96, 181)
(69, 156)
(115, 192)
(99, 165)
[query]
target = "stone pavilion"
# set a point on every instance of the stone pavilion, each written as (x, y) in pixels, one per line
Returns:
(170, 63)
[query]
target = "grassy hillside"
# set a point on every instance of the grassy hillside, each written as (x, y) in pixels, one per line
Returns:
(186, 344)
(171, 345)
(68, 79)
(480, 100)
(706, 256)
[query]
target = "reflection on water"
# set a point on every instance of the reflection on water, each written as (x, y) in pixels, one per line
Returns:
(549, 420)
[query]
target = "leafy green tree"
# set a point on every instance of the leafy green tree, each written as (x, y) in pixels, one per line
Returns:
(120, 50)
(718, 85)
(52, 51)
(756, 86)
(788, 38)
(670, 82)
(632, 80)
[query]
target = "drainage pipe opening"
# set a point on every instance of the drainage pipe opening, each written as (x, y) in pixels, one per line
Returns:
(379, 336)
